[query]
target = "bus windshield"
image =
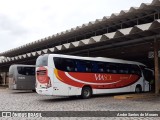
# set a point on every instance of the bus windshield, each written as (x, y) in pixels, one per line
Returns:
(42, 61)
(26, 70)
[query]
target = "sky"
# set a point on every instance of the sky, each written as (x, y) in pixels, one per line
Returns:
(25, 21)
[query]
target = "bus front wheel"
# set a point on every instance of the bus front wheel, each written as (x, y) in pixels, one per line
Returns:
(138, 89)
(86, 92)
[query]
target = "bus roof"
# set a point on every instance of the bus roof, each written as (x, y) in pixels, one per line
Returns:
(102, 59)
(23, 65)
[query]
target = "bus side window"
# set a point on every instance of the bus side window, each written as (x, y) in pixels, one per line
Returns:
(135, 70)
(148, 75)
(120, 69)
(70, 65)
(112, 68)
(94, 67)
(59, 63)
(65, 64)
(88, 66)
(83, 66)
(101, 67)
(80, 66)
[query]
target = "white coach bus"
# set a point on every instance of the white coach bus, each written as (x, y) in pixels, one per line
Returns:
(66, 75)
(22, 77)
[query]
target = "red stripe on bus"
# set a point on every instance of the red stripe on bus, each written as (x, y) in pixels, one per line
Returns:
(96, 80)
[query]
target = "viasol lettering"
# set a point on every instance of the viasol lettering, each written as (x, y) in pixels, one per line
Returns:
(103, 77)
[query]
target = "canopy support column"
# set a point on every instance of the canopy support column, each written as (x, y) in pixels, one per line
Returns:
(156, 66)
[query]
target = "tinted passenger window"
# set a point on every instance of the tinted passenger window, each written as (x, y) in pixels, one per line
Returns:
(123, 68)
(148, 75)
(65, 64)
(69, 65)
(83, 66)
(135, 70)
(101, 67)
(111, 68)
(26, 70)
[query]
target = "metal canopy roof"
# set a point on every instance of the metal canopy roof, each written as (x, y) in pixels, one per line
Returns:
(124, 34)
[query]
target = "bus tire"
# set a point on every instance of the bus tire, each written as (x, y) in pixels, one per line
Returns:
(33, 90)
(86, 92)
(138, 89)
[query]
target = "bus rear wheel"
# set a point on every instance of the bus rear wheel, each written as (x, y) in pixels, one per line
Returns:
(138, 89)
(86, 92)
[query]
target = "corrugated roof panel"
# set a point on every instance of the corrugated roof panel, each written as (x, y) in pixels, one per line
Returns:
(12, 58)
(85, 41)
(113, 34)
(42, 39)
(63, 47)
(97, 38)
(8, 58)
(78, 43)
(135, 29)
(39, 52)
(64, 32)
(88, 41)
(58, 34)
(91, 23)
(3, 61)
(126, 31)
(33, 53)
(143, 5)
(53, 49)
(118, 34)
(53, 36)
(114, 15)
(68, 45)
(98, 20)
(45, 51)
(20, 56)
(104, 38)
(59, 47)
(49, 37)
(155, 24)
(155, 2)
(110, 35)
(84, 25)
(67, 31)
(72, 29)
(105, 18)
(123, 12)
(78, 27)
(29, 54)
(16, 57)
(132, 9)
(24, 55)
(144, 26)
(35, 41)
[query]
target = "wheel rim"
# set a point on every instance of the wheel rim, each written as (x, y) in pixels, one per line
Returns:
(137, 90)
(86, 93)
